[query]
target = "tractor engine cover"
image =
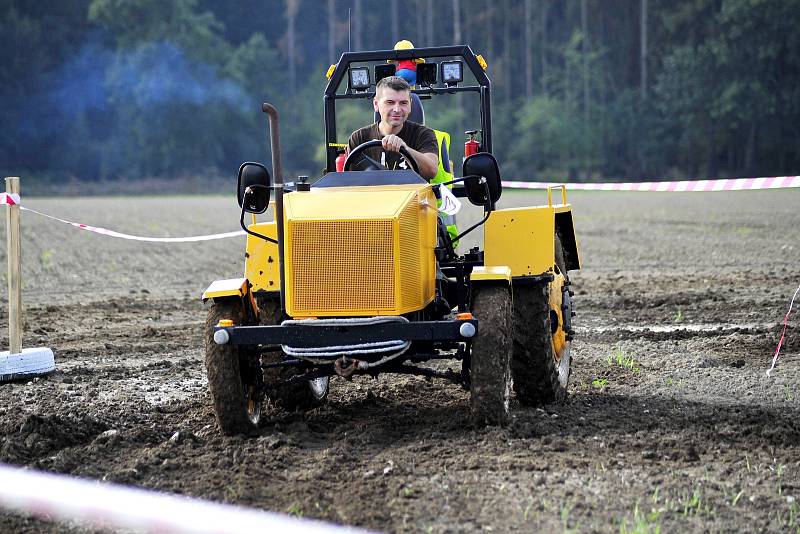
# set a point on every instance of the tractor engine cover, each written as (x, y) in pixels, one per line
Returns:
(360, 251)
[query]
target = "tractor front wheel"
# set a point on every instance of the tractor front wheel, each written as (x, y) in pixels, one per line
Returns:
(541, 363)
(234, 375)
(490, 376)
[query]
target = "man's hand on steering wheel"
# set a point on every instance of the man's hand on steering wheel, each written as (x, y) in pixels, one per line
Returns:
(355, 154)
(393, 143)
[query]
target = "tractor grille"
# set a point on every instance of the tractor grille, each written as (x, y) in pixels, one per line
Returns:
(339, 266)
(410, 276)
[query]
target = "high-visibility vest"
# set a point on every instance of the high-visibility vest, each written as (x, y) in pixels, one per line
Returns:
(444, 174)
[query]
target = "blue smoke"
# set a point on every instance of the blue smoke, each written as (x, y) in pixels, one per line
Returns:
(159, 73)
(79, 116)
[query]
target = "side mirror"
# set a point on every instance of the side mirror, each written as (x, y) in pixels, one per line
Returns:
(483, 165)
(254, 187)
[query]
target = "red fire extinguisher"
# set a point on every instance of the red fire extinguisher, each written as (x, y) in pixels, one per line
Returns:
(471, 146)
(340, 161)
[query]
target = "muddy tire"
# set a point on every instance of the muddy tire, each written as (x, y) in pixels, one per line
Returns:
(539, 377)
(489, 368)
(234, 376)
(300, 396)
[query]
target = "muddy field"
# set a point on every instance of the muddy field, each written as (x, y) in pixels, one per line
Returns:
(670, 423)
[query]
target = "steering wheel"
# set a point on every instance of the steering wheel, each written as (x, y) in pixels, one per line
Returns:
(377, 142)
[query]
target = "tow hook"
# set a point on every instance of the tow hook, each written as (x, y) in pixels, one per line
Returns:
(345, 366)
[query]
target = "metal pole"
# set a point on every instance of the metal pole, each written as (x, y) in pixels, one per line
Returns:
(277, 170)
(14, 271)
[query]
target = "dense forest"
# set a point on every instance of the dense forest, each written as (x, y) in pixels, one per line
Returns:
(582, 89)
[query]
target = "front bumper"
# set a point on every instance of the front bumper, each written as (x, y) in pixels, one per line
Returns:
(310, 335)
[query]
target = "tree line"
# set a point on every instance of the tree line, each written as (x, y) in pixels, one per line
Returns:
(582, 89)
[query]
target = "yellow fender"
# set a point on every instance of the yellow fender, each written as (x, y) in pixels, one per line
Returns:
(493, 273)
(262, 263)
(231, 288)
(522, 238)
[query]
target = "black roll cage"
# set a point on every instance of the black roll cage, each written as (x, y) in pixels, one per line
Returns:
(340, 73)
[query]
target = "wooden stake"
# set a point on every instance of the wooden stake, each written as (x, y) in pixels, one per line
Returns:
(14, 271)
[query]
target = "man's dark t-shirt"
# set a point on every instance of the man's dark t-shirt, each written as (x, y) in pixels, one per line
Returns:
(419, 137)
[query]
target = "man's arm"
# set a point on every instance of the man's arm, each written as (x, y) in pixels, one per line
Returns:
(428, 162)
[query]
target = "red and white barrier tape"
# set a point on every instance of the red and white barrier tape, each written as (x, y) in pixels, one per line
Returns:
(735, 184)
(10, 199)
(108, 506)
(783, 334)
(112, 233)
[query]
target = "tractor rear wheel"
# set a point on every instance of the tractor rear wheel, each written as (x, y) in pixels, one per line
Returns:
(234, 375)
(297, 396)
(489, 369)
(541, 362)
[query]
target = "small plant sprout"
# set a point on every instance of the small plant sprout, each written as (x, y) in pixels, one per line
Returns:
(295, 510)
(599, 383)
(526, 512)
(779, 470)
(46, 259)
(691, 505)
(736, 499)
(670, 381)
(565, 510)
(620, 359)
(678, 317)
(642, 523)
(695, 505)
(791, 519)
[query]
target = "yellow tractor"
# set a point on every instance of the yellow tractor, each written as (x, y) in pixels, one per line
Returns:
(357, 272)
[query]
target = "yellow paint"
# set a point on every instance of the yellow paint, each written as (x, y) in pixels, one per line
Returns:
(556, 298)
(360, 251)
(496, 272)
(550, 188)
(330, 71)
(482, 62)
(262, 263)
(521, 238)
(233, 287)
(225, 322)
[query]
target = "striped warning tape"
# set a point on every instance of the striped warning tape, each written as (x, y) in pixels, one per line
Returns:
(113, 507)
(733, 184)
(783, 333)
(10, 199)
(112, 233)
(13, 199)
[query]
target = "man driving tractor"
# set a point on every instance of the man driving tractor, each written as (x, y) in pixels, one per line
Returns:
(393, 103)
